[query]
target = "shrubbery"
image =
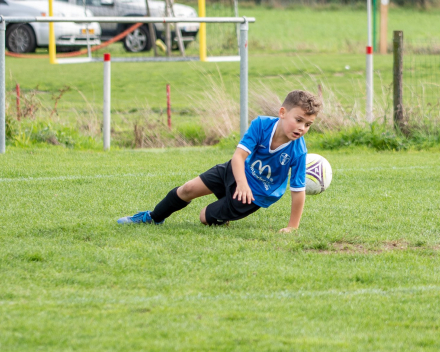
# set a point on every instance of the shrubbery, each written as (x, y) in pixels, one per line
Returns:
(335, 128)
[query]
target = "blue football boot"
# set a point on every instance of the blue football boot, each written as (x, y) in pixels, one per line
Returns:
(139, 218)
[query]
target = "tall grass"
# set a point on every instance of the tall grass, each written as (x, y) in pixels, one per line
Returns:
(215, 117)
(339, 125)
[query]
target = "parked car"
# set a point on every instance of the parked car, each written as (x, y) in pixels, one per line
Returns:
(26, 37)
(140, 40)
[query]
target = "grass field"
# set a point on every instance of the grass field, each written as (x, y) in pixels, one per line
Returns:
(361, 274)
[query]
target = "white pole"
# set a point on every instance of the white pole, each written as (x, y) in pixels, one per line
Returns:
(369, 68)
(244, 28)
(2, 88)
(107, 90)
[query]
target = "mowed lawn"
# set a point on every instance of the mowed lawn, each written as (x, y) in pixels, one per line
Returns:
(361, 274)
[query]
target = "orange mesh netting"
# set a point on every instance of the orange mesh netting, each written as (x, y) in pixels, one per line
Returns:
(79, 52)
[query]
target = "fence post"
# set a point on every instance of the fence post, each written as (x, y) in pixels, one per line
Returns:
(169, 105)
(398, 79)
(244, 27)
(2, 87)
(107, 96)
(383, 26)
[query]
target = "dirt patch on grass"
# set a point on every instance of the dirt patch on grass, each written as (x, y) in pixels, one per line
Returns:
(347, 247)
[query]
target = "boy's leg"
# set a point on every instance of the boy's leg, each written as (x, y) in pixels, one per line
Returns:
(193, 189)
(178, 198)
(226, 209)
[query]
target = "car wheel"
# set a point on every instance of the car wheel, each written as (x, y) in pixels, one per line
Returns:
(138, 40)
(20, 38)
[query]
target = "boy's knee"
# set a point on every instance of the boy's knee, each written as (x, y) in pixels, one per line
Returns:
(203, 216)
(186, 191)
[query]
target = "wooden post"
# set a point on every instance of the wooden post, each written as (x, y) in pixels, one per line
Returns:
(178, 32)
(398, 79)
(17, 91)
(169, 105)
(383, 26)
(151, 29)
(167, 28)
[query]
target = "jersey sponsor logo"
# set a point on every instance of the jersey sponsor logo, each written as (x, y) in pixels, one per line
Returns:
(262, 146)
(261, 168)
(266, 181)
(284, 158)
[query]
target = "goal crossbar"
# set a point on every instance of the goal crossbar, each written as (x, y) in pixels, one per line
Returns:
(142, 19)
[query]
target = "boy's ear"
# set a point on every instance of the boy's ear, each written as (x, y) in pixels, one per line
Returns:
(282, 112)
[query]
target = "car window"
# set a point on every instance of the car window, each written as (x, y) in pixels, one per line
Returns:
(89, 2)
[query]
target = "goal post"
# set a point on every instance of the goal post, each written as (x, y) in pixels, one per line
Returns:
(244, 27)
(202, 31)
(52, 47)
(52, 44)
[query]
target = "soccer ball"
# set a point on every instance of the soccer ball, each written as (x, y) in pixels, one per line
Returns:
(318, 174)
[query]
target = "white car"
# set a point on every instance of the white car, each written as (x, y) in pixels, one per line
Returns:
(139, 40)
(26, 37)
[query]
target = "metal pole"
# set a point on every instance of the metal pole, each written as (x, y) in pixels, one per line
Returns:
(2, 87)
(244, 27)
(128, 19)
(52, 44)
(202, 31)
(374, 26)
(107, 95)
(369, 68)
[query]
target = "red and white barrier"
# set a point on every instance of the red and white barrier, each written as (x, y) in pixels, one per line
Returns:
(106, 110)
(369, 68)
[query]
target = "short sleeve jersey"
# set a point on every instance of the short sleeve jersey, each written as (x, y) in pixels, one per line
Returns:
(267, 170)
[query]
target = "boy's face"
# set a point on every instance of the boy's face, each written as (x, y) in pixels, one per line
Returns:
(295, 123)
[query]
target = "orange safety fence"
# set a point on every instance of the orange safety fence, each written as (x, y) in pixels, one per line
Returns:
(79, 52)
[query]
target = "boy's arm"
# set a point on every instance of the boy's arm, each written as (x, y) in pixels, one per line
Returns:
(243, 192)
(298, 200)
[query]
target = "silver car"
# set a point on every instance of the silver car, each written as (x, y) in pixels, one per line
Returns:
(139, 40)
(26, 37)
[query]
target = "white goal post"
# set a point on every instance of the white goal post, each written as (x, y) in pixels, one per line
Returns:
(244, 27)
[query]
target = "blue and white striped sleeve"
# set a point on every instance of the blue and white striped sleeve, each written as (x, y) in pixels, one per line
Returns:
(298, 174)
(252, 136)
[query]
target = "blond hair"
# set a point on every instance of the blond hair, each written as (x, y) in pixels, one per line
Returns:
(307, 101)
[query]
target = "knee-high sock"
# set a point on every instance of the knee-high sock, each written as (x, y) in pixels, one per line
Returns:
(168, 205)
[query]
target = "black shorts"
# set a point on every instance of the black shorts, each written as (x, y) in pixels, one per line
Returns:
(220, 180)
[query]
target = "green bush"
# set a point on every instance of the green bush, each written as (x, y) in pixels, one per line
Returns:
(376, 136)
(192, 133)
(26, 134)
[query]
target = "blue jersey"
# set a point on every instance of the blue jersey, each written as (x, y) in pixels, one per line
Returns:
(267, 170)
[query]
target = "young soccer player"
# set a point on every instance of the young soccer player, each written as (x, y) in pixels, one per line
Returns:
(257, 174)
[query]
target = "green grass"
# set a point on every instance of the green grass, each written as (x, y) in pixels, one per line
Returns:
(361, 274)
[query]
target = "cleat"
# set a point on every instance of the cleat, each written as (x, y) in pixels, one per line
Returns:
(139, 218)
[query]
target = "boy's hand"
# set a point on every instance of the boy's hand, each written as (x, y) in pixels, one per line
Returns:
(243, 194)
(288, 229)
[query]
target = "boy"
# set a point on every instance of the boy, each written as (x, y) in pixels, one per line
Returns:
(256, 176)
